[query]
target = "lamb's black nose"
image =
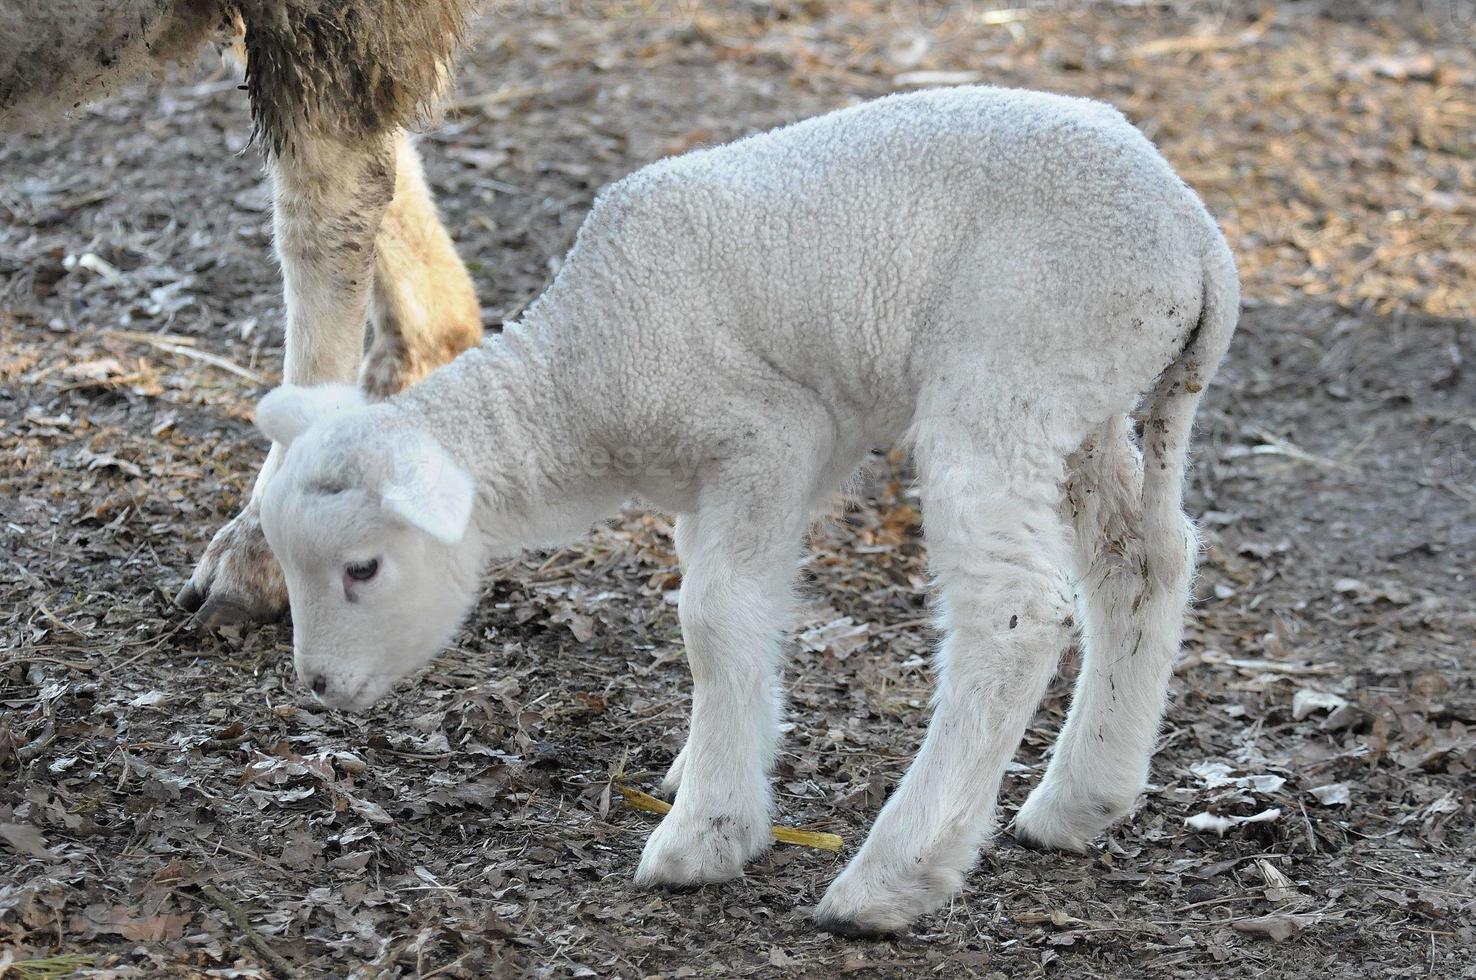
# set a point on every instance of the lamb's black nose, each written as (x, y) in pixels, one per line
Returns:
(320, 684)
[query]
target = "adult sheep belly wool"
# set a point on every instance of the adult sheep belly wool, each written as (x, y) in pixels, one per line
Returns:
(995, 278)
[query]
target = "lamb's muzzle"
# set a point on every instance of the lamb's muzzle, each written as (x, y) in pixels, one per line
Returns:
(993, 277)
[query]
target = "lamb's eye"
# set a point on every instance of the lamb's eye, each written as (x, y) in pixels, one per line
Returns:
(362, 571)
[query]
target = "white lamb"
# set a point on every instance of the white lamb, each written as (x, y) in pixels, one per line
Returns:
(993, 277)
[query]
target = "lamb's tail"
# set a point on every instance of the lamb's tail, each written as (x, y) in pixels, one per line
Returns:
(1125, 500)
(1175, 397)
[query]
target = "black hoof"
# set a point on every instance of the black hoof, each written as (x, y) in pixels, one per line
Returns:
(1030, 841)
(212, 611)
(221, 611)
(851, 929)
(680, 888)
(190, 599)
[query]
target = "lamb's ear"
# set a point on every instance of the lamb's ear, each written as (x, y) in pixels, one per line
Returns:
(429, 490)
(287, 412)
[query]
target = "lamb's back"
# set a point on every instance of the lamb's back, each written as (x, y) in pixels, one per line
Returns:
(820, 250)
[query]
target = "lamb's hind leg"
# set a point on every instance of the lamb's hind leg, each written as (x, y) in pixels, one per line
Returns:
(423, 307)
(1133, 579)
(329, 198)
(999, 551)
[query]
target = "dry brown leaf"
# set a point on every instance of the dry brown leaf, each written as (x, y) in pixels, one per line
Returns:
(1277, 928)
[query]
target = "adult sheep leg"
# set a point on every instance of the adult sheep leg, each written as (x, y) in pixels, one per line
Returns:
(423, 306)
(329, 198)
(331, 85)
(739, 565)
(999, 551)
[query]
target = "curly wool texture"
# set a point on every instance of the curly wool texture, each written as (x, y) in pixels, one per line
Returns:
(346, 69)
(858, 264)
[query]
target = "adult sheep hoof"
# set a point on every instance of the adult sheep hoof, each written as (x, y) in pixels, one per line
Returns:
(237, 579)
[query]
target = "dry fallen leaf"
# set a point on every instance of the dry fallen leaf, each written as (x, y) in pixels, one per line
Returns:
(1278, 927)
(840, 637)
(27, 840)
(1332, 794)
(1218, 774)
(1279, 887)
(1306, 701)
(370, 811)
(1220, 824)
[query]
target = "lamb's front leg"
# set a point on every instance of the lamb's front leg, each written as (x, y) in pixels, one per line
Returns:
(684, 536)
(329, 199)
(735, 602)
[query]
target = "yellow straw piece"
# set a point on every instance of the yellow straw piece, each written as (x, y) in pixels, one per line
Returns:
(785, 835)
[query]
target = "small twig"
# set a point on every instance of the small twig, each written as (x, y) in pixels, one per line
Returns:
(505, 93)
(1200, 43)
(33, 749)
(221, 744)
(274, 960)
(265, 862)
(1307, 823)
(785, 835)
(1274, 445)
(1267, 666)
(1221, 900)
(69, 664)
(462, 958)
(172, 345)
(50, 617)
(515, 310)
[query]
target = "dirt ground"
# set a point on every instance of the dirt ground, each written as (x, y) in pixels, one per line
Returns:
(170, 804)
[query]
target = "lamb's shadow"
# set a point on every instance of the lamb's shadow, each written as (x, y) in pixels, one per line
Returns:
(1345, 442)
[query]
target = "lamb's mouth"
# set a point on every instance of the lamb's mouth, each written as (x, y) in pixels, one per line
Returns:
(357, 697)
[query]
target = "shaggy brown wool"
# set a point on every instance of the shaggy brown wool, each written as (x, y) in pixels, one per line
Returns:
(346, 69)
(349, 69)
(55, 54)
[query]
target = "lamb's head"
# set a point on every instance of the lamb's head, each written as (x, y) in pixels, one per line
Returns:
(370, 520)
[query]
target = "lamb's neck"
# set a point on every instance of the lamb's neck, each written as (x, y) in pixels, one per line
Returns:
(509, 412)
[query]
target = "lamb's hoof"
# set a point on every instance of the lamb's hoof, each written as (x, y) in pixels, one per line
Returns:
(1027, 839)
(237, 580)
(688, 852)
(850, 928)
(884, 901)
(847, 911)
(1049, 821)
